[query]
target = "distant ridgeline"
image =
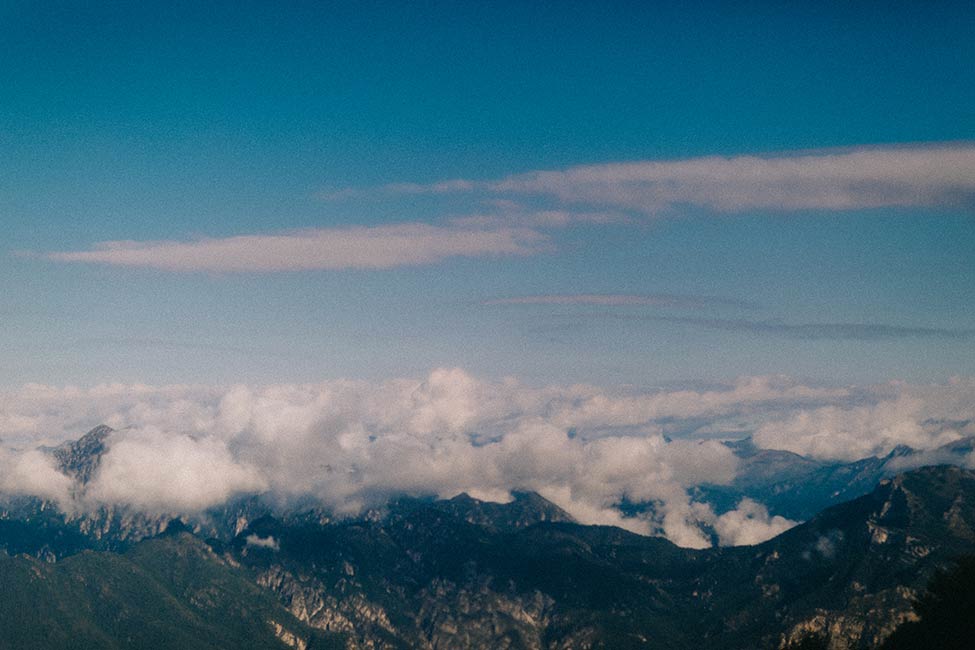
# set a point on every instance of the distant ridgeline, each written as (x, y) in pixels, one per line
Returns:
(463, 573)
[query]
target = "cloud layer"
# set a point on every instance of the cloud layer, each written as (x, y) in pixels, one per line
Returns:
(353, 444)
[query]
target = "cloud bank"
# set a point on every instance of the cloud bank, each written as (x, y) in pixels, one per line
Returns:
(352, 444)
(933, 174)
(152, 471)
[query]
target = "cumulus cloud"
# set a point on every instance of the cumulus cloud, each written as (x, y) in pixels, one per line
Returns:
(935, 174)
(354, 444)
(33, 473)
(598, 409)
(357, 247)
(749, 524)
(835, 433)
(156, 471)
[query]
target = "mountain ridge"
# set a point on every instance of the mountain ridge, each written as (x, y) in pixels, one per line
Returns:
(462, 573)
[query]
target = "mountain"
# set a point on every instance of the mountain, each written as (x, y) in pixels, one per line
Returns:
(80, 458)
(797, 487)
(944, 613)
(525, 509)
(790, 485)
(169, 592)
(464, 573)
(426, 577)
(849, 574)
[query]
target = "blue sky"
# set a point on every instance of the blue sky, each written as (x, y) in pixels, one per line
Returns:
(329, 190)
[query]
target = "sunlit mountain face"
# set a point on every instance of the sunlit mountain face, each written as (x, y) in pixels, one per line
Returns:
(376, 326)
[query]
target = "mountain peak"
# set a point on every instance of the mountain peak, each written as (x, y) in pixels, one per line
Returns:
(525, 509)
(80, 458)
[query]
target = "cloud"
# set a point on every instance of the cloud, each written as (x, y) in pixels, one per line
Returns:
(826, 545)
(356, 247)
(354, 444)
(508, 216)
(263, 542)
(618, 300)
(156, 471)
(862, 178)
(33, 473)
(599, 409)
(932, 174)
(749, 524)
(837, 433)
(866, 177)
(823, 331)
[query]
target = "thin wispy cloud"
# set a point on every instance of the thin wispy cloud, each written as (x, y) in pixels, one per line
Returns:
(622, 300)
(358, 247)
(824, 331)
(866, 177)
(538, 218)
(928, 175)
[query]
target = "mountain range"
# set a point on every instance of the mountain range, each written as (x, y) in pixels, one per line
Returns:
(464, 573)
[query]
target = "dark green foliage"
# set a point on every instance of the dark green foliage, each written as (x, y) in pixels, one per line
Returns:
(946, 611)
(165, 593)
(621, 590)
(465, 574)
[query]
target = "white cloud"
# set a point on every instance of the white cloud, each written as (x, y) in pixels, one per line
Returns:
(851, 433)
(749, 524)
(516, 217)
(596, 409)
(937, 174)
(263, 542)
(33, 473)
(155, 471)
(865, 177)
(354, 444)
(357, 247)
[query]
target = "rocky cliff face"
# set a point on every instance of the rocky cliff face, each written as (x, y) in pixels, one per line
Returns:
(798, 488)
(434, 575)
(851, 573)
(80, 458)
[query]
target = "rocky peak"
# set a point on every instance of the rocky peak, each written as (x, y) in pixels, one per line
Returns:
(80, 458)
(525, 509)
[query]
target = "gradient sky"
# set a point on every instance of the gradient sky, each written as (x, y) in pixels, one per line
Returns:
(322, 190)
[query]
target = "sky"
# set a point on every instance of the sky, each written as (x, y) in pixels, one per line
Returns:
(355, 250)
(622, 194)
